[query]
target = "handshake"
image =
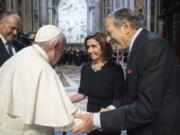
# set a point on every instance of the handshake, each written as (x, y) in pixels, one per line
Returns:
(87, 124)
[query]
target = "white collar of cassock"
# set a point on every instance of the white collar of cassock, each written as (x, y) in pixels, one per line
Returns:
(42, 52)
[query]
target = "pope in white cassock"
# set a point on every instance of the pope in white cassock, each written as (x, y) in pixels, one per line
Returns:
(32, 98)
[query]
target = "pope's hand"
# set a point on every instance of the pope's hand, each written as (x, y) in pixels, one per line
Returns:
(87, 124)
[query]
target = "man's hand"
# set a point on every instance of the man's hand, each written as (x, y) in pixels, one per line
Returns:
(105, 109)
(87, 124)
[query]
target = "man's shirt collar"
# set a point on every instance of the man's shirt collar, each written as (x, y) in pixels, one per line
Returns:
(133, 39)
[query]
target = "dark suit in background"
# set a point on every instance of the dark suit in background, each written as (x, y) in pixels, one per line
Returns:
(9, 27)
(152, 96)
(4, 55)
(18, 45)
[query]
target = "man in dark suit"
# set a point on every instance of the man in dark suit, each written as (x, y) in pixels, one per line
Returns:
(9, 26)
(151, 99)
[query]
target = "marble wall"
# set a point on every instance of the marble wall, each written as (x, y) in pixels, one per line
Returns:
(72, 19)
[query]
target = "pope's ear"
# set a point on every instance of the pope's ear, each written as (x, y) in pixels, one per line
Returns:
(54, 44)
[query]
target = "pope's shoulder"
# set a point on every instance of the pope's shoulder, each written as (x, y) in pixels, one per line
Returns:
(28, 58)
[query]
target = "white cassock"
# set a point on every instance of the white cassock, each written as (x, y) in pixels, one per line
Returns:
(32, 98)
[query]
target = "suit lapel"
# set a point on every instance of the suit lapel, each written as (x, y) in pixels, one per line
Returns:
(131, 72)
(3, 50)
(136, 44)
(131, 64)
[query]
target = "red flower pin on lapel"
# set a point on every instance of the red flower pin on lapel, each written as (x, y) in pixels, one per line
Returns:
(129, 70)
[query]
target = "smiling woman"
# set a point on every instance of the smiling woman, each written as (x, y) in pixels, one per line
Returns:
(101, 79)
(98, 49)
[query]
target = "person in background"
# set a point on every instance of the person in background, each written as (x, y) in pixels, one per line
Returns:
(31, 36)
(9, 26)
(151, 101)
(102, 80)
(32, 98)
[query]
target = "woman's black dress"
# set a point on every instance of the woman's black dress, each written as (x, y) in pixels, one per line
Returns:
(102, 88)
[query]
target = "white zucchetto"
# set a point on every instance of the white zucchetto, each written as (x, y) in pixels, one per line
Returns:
(46, 33)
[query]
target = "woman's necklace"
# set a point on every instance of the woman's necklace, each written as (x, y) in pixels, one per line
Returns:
(98, 67)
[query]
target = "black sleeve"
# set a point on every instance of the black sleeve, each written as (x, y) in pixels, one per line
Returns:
(83, 81)
(81, 87)
(118, 85)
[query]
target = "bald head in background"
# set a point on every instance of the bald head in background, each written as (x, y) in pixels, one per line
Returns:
(9, 25)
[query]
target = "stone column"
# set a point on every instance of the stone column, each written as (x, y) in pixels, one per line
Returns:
(98, 26)
(8, 5)
(95, 16)
(2, 6)
(50, 12)
(11, 5)
(35, 15)
(26, 15)
(14, 5)
(176, 28)
(107, 8)
(117, 4)
(156, 6)
(91, 17)
(43, 8)
(55, 5)
(148, 14)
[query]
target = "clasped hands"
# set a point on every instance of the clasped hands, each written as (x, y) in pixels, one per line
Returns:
(87, 123)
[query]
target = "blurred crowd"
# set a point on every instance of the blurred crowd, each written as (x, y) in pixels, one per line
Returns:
(78, 56)
(72, 55)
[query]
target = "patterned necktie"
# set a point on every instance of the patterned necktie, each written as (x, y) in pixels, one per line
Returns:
(9, 48)
(125, 61)
(126, 56)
